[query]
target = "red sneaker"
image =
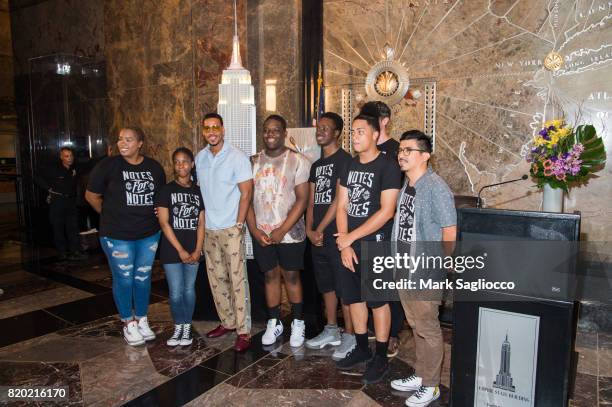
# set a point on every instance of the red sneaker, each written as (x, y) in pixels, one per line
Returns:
(243, 342)
(218, 331)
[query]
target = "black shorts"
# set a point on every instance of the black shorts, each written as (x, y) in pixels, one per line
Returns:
(326, 265)
(290, 256)
(351, 282)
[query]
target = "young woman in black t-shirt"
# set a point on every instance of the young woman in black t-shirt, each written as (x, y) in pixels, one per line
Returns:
(122, 189)
(181, 215)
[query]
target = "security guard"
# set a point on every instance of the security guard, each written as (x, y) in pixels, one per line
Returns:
(60, 181)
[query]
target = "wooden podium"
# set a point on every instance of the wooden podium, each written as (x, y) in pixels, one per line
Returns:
(514, 349)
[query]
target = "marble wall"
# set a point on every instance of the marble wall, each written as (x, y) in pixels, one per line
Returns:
(274, 39)
(492, 90)
(165, 61)
(74, 27)
(7, 90)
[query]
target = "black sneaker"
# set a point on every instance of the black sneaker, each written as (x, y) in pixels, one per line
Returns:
(353, 358)
(376, 370)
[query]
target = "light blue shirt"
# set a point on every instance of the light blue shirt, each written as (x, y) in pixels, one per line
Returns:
(219, 176)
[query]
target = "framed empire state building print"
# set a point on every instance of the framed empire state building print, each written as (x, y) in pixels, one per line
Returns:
(506, 359)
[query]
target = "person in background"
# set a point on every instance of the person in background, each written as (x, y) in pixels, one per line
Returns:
(425, 213)
(60, 182)
(180, 210)
(320, 229)
(224, 174)
(380, 110)
(280, 196)
(122, 189)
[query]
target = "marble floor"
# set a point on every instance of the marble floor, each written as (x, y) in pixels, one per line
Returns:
(59, 327)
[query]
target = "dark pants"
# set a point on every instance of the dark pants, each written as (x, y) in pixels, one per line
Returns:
(397, 318)
(63, 218)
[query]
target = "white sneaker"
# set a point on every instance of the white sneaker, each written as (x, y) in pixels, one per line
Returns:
(131, 334)
(145, 331)
(298, 330)
(328, 336)
(175, 339)
(423, 397)
(187, 337)
(410, 383)
(274, 329)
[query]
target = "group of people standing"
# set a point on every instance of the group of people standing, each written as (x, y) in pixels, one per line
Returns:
(387, 192)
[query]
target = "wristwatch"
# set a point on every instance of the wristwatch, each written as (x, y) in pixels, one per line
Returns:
(240, 225)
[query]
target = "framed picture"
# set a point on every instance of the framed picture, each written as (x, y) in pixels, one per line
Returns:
(506, 358)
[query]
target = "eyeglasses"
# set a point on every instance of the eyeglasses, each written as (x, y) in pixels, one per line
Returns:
(213, 128)
(408, 150)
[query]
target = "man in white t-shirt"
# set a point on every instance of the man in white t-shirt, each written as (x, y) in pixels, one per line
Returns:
(280, 196)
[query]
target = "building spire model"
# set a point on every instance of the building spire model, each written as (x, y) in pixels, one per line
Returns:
(504, 379)
(237, 107)
(236, 60)
(237, 100)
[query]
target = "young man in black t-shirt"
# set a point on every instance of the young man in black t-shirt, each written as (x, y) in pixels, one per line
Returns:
(320, 229)
(389, 146)
(366, 204)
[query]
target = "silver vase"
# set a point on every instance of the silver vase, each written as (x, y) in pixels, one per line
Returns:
(552, 200)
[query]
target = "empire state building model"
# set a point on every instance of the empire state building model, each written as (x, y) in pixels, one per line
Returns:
(237, 101)
(504, 379)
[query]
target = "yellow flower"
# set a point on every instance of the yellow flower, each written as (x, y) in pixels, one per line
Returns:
(539, 141)
(564, 132)
(557, 123)
(554, 139)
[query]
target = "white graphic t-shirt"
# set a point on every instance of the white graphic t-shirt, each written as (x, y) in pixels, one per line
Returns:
(275, 179)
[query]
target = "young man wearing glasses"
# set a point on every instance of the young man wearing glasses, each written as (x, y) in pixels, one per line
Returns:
(425, 213)
(225, 178)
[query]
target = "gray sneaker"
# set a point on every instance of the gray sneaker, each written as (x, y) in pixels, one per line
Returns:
(348, 344)
(328, 336)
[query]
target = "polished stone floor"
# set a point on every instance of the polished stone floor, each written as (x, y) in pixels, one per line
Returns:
(59, 328)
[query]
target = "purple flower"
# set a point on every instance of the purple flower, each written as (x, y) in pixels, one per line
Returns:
(543, 132)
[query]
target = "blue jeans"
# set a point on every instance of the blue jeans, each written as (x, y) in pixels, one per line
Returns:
(131, 262)
(181, 279)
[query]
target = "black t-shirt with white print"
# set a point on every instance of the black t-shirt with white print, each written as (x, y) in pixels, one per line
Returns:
(184, 206)
(128, 191)
(365, 183)
(405, 232)
(324, 173)
(389, 147)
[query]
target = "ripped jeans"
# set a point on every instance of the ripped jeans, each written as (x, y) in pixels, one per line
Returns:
(131, 262)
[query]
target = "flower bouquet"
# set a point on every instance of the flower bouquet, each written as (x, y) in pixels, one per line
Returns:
(561, 156)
